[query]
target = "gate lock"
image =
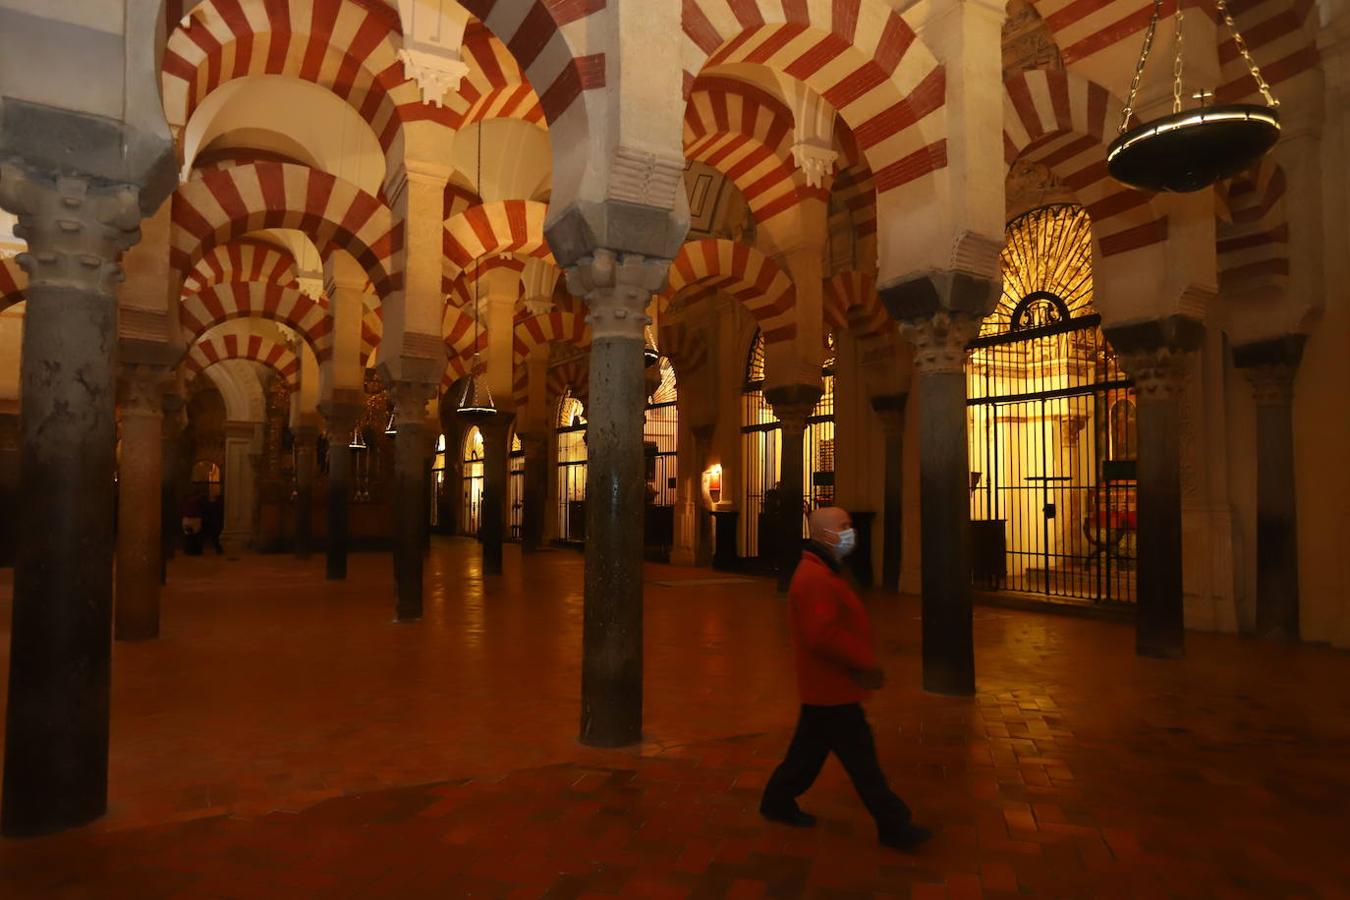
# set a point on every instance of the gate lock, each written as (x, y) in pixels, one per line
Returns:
(1049, 509)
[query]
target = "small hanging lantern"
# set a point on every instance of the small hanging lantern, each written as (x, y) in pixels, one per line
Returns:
(391, 430)
(475, 403)
(1191, 149)
(358, 441)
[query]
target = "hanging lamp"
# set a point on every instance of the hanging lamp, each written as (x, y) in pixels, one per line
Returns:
(358, 441)
(475, 402)
(1191, 149)
(391, 430)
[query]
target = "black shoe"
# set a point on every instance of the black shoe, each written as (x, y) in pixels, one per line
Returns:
(906, 837)
(793, 817)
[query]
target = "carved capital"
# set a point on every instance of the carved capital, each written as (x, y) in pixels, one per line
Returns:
(342, 413)
(410, 401)
(890, 410)
(140, 389)
(1159, 373)
(617, 289)
(1272, 385)
(76, 228)
(435, 71)
(1271, 367)
(793, 405)
(815, 161)
(940, 341)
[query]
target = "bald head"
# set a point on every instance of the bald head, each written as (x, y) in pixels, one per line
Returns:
(827, 523)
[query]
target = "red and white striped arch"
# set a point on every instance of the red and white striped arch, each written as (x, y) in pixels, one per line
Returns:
(208, 352)
(372, 329)
(256, 299)
(548, 328)
(460, 291)
(851, 302)
(686, 347)
(219, 207)
(746, 134)
(860, 55)
(491, 229)
(495, 86)
(1065, 122)
(13, 282)
(346, 46)
(1253, 236)
(548, 39)
(242, 260)
(457, 327)
(574, 376)
(740, 271)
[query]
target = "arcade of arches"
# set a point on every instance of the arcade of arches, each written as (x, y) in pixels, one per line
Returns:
(711, 265)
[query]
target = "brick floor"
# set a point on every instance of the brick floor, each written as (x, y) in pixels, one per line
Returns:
(285, 738)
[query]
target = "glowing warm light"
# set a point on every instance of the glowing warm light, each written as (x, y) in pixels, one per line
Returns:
(713, 479)
(1191, 121)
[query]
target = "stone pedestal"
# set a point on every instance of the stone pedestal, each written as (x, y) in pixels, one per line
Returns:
(1154, 354)
(617, 290)
(1271, 366)
(792, 404)
(139, 503)
(410, 399)
(496, 464)
(944, 500)
(890, 410)
(9, 486)
(306, 441)
(56, 727)
(341, 419)
(536, 491)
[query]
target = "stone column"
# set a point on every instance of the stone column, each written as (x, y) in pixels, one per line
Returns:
(306, 442)
(792, 404)
(56, 729)
(410, 401)
(944, 500)
(703, 545)
(496, 463)
(1155, 354)
(536, 490)
(170, 524)
(139, 503)
(890, 410)
(341, 417)
(240, 484)
(617, 290)
(9, 485)
(1271, 366)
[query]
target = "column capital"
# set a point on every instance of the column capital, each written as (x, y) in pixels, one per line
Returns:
(342, 412)
(617, 288)
(140, 389)
(940, 341)
(76, 227)
(410, 401)
(793, 404)
(890, 410)
(1158, 373)
(1155, 352)
(1271, 366)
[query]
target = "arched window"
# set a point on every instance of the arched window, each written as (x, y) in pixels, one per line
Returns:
(571, 442)
(206, 478)
(660, 435)
(437, 481)
(515, 485)
(471, 509)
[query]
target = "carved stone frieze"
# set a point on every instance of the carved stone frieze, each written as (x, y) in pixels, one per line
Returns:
(617, 289)
(940, 341)
(76, 228)
(1027, 42)
(638, 176)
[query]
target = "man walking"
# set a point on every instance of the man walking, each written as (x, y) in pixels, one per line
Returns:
(836, 669)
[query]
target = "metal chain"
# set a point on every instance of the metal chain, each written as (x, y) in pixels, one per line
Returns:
(1139, 69)
(1246, 54)
(1176, 64)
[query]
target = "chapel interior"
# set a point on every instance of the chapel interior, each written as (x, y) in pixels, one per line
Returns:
(410, 411)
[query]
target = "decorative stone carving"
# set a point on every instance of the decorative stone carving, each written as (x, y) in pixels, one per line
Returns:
(815, 161)
(311, 284)
(1031, 185)
(977, 254)
(140, 389)
(1027, 42)
(436, 71)
(1272, 385)
(940, 341)
(617, 290)
(410, 401)
(793, 405)
(76, 229)
(1158, 373)
(637, 176)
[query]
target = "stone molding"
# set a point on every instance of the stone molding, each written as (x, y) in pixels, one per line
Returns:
(617, 289)
(793, 405)
(1272, 385)
(642, 177)
(410, 401)
(76, 228)
(1271, 366)
(1159, 373)
(940, 341)
(890, 410)
(342, 412)
(140, 389)
(1156, 353)
(815, 161)
(435, 72)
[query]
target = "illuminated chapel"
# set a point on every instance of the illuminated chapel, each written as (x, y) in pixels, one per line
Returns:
(410, 310)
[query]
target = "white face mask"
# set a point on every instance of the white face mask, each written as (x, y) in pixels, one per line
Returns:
(848, 539)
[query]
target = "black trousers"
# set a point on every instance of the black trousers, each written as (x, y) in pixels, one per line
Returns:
(844, 731)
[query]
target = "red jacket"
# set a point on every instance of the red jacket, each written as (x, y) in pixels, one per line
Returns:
(830, 631)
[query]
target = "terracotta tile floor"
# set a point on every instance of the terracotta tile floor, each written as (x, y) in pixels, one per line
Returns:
(285, 739)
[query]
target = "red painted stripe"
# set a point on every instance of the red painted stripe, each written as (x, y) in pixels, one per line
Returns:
(585, 73)
(894, 43)
(565, 11)
(533, 34)
(927, 97)
(1019, 92)
(915, 165)
(1132, 239)
(825, 51)
(844, 18)
(699, 27)
(778, 38)
(746, 12)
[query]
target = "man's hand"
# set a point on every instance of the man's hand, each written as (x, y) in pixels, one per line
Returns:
(871, 679)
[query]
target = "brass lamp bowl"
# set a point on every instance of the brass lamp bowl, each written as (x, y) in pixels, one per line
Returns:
(1191, 150)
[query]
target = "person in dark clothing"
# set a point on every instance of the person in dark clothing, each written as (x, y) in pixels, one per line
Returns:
(836, 670)
(213, 522)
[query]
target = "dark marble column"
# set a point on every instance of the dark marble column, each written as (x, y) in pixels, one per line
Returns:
(56, 727)
(496, 463)
(792, 404)
(410, 400)
(171, 451)
(617, 291)
(1155, 354)
(306, 441)
(536, 491)
(1271, 366)
(890, 410)
(9, 485)
(140, 479)
(944, 500)
(341, 416)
